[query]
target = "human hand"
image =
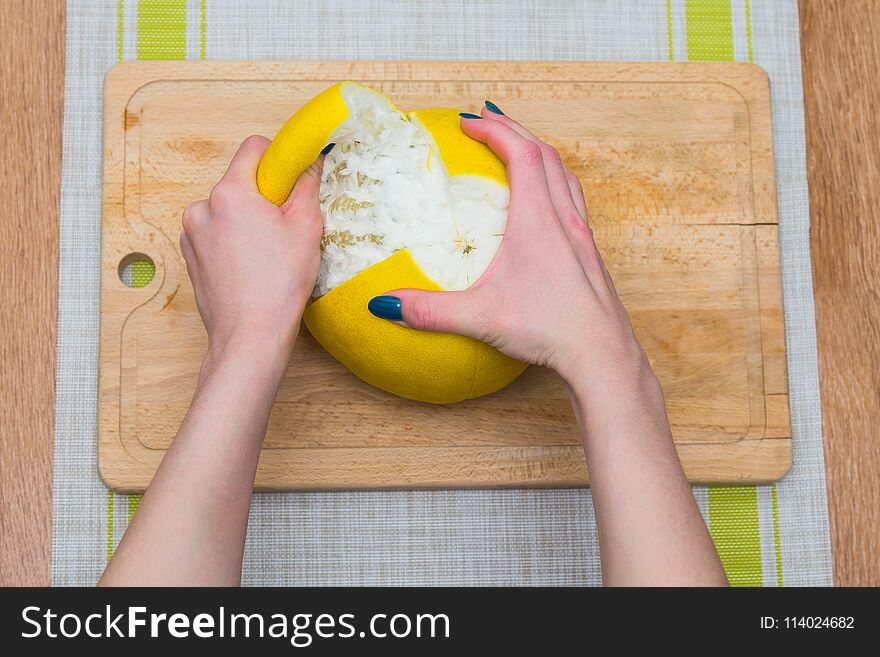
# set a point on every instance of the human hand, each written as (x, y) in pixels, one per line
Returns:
(547, 297)
(253, 264)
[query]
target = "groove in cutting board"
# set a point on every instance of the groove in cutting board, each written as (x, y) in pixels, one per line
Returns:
(677, 164)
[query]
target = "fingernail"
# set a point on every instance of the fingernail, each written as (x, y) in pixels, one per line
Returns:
(386, 307)
(328, 148)
(492, 107)
(468, 115)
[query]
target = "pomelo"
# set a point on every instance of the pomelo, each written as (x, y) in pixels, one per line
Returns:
(408, 200)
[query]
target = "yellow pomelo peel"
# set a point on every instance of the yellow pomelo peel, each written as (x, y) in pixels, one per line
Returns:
(461, 155)
(431, 367)
(301, 139)
(299, 142)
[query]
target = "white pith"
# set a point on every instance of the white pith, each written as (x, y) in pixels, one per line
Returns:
(384, 188)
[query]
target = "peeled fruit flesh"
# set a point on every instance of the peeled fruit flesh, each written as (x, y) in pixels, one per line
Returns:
(408, 200)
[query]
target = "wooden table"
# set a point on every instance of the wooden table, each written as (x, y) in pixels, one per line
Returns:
(841, 64)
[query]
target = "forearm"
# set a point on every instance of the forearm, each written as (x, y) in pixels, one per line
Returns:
(191, 525)
(650, 529)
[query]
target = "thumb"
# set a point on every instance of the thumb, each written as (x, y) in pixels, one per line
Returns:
(302, 207)
(447, 312)
(242, 170)
(305, 189)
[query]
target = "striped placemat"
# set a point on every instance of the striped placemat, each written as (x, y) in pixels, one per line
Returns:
(766, 535)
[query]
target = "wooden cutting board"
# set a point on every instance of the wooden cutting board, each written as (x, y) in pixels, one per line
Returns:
(677, 164)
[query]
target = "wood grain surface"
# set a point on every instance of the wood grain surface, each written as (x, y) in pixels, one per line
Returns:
(677, 160)
(31, 101)
(841, 60)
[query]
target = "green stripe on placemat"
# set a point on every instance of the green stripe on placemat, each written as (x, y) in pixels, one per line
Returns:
(120, 27)
(749, 30)
(202, 31)
(161, 34)
(110, 496)
(134, 502)
(161, 29)
(733, 522)
(709, 30)
(777, 543)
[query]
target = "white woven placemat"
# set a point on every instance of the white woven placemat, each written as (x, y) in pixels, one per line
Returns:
(768, 535)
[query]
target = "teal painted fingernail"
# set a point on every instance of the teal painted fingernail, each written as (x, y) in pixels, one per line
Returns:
(468, 115)
(492, 107)
(328, 148)
(385, 307)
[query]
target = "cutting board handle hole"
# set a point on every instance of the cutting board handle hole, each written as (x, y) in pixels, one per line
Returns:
(136, 270)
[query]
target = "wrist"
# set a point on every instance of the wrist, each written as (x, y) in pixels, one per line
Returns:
(616, 387)
(254, 336)
(625, 408)
(264, 356)
(588, 369)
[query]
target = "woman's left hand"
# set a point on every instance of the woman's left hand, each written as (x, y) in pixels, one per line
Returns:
(253, 264)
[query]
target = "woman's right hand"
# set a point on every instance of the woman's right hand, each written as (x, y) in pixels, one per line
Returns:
(546, 298)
